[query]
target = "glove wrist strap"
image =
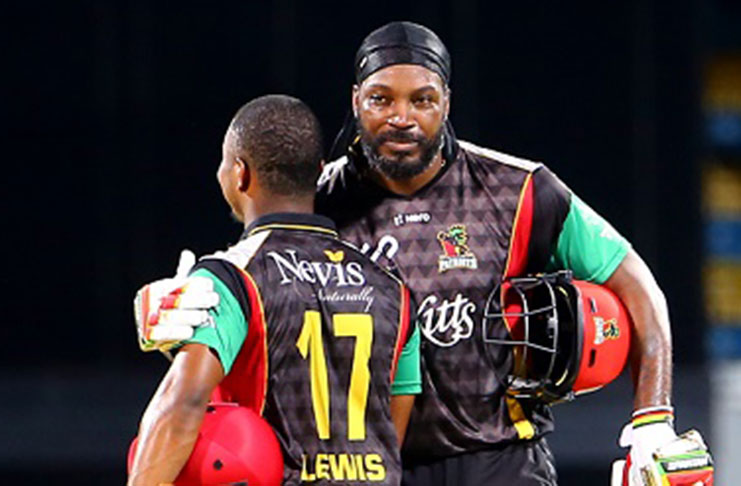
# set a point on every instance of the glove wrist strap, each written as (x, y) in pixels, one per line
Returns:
(653, 415)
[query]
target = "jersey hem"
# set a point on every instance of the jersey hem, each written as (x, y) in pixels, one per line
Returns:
(406, 389)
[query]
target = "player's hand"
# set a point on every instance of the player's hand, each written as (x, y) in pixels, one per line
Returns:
(658, 457)
(168, 310)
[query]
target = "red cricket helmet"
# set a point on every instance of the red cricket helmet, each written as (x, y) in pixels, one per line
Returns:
(567, 336)
(234, 446)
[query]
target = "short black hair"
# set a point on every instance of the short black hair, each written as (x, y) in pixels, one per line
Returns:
(282, 138)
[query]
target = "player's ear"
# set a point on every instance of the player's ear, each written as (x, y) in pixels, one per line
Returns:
(243, 174)
(355, 100)
(448, 94)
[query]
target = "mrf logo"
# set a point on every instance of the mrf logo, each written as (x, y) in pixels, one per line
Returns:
(456, 253)
(605, 330)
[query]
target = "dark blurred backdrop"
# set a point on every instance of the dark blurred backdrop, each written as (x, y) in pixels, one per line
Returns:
(114, 116)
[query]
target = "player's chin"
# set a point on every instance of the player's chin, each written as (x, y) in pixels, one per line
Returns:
(399, 169)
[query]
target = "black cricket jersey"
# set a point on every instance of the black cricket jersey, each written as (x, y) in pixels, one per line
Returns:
(486, 216)
(316, 338)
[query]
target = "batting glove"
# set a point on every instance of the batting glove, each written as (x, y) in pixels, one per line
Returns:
(658, 457)
(168, 310)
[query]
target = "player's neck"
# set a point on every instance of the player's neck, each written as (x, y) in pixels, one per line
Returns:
(257, 207)
(407, 187)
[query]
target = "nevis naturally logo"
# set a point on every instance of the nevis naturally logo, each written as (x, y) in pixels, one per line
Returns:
(334, 271)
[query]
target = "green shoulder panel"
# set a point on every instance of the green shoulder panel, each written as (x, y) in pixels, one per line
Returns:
(229, 330)
(588, 245)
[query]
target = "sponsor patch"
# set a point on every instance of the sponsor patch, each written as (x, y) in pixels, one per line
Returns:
(335, 272)
(456, 253)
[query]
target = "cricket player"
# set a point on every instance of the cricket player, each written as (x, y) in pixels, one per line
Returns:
(456, 220)
(304, 330)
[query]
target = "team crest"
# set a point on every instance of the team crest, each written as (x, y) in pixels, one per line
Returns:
(456, 253)
(605, 329)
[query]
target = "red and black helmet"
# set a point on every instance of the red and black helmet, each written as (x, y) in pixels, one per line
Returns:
(567, 336)
(234, 446)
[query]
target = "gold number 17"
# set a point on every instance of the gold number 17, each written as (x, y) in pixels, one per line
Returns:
(310, 344)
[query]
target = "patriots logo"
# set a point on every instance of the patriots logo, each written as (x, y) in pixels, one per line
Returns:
(456, 253)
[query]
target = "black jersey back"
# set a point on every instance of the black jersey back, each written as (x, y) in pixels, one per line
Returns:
(325, 330)
(453, 242)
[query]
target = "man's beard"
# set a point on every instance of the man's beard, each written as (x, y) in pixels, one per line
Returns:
(398, 166)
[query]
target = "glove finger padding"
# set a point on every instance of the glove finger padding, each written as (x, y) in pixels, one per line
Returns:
(170, 334)
(194, 293)
(686, 461)
(163, 329)
(167, 310)
(188, 318)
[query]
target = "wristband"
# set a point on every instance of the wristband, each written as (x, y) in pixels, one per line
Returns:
(653, 415)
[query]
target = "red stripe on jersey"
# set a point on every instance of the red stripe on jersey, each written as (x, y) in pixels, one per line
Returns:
(404, 320)
(521, 229)
(247, 382)
(518, 250)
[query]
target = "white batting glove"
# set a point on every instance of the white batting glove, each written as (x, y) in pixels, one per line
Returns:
(168, 310)
(658, 457)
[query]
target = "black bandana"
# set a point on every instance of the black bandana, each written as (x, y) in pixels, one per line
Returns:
(402, 43)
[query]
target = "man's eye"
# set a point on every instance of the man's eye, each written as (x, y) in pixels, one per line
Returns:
(424, 100)
(376, 98)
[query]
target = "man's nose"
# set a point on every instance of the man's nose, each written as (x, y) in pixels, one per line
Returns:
(401, 117)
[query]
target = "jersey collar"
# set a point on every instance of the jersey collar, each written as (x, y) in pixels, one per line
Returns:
(292, 221)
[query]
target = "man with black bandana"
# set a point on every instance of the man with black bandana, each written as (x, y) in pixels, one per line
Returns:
(455, 220)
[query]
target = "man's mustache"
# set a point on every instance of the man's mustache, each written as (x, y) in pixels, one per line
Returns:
(399, 136)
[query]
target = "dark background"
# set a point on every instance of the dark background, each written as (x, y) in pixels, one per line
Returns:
(114, 115)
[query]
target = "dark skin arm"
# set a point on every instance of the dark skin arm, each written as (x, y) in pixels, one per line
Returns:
(401, 409)
(651, 346)
(169, 427)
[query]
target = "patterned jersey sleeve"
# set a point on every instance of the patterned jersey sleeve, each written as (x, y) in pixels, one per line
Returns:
(226, 335)
(568, 234)
(408, 378)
